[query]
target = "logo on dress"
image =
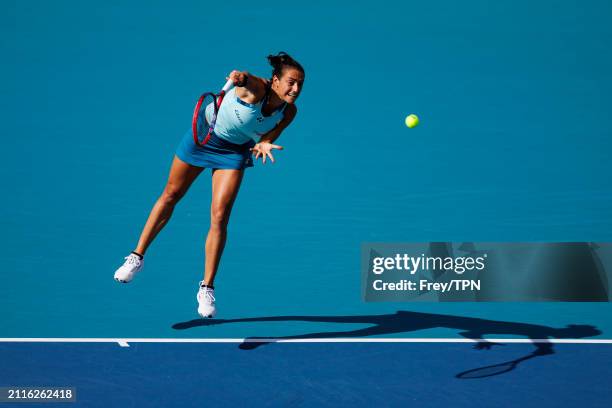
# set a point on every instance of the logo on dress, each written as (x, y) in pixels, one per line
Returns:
(238, 116)
(260, 119)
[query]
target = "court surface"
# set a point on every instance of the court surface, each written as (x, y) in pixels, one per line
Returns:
(514, 145)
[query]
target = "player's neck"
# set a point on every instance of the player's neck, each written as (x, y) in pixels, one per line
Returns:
(273, 102)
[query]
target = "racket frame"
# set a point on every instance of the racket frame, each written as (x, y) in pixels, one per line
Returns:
(217, 100)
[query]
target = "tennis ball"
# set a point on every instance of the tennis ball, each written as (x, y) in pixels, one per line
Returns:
(412, 120)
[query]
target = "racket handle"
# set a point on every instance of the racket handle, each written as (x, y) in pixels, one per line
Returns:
(228, 85)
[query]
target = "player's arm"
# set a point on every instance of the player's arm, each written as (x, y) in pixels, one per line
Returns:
(272, 135)
(248, 86)
(265, 146)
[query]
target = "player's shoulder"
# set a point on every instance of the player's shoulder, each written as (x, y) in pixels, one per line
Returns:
(260, 86)
(254, 91)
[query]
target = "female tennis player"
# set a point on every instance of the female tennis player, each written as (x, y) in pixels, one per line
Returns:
(250, 119)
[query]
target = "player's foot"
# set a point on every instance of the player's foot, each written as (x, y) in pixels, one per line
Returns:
(206, 301)
(132, 265)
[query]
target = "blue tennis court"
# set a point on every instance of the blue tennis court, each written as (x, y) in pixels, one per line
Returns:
(514, 145)
(318, 374)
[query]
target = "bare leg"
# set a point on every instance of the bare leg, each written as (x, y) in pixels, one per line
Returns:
(179, 181)
(225, 186)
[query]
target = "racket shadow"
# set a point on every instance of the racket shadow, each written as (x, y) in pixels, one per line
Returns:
(498, 369)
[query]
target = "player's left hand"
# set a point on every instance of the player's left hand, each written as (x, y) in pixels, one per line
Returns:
(264, 150)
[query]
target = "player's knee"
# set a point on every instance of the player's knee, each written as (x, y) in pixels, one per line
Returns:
(219, 216)
(171, 195)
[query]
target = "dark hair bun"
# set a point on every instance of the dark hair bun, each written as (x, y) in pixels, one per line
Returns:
(281, 60)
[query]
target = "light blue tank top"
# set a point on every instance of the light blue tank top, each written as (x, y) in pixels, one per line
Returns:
(238, 122)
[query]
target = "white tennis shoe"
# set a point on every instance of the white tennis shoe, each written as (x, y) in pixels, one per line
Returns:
(132, 265)
(206, 301)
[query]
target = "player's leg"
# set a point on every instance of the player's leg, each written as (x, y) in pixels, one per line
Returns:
(180, 179)
(225, 186)
(182, 175)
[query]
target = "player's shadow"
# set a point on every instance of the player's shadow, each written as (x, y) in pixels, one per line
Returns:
(405, 322)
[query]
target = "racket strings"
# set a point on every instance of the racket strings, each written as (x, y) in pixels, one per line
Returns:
(203, 126)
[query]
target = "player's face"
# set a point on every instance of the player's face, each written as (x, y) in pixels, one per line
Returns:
(289, 85)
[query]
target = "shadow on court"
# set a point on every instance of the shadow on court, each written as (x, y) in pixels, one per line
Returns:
(407, 322)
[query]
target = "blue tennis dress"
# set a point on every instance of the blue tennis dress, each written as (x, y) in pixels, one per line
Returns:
(239, 126)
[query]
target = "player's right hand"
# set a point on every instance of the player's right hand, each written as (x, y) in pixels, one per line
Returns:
(238, 78)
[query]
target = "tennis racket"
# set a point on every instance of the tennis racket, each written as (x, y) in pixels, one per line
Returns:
(201, 128)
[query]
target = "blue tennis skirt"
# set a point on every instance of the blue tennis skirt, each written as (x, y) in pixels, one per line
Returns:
(217, 153)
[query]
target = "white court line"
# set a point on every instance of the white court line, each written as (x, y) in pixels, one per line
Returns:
(125, 342)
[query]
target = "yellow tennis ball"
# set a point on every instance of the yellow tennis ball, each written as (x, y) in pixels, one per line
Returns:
(412, 120)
